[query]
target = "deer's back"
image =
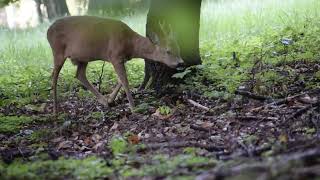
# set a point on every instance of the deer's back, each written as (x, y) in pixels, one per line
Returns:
(86, 37)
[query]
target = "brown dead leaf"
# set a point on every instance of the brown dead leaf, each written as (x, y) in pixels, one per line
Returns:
(56, 140)
(207, 124)
(308, 100)
(87, 141)
(114, 127)
(96, 138)
(283, 138)
(134, 139)
(98, 147)
(65, 145)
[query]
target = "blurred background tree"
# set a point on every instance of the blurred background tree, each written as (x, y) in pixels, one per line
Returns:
(52, 9)
(117, 7)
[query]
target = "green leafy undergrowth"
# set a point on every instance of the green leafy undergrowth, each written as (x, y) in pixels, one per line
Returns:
(163, 165)
(254, 57)
(89, 168)
(12, 124)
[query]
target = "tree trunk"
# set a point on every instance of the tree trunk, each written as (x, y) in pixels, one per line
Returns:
(183, 17)
(56, 8)
(39, 12)
(107, 7)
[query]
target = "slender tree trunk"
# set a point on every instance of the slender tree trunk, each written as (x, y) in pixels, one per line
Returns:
(183, 16)
(110, 7)
(56, 8)
(39, 12)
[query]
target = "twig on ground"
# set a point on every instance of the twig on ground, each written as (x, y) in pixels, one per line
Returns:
(252, 95)
(304, 110)
(248, 152)
(257, 118)
(101, 75)
(284, 100)
(199, 165)
(198, 105)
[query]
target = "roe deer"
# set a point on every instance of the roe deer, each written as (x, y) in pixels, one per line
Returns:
(83, 39)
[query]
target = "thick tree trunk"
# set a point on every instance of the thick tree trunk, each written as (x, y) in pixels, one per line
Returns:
(56, 8)
(183, 17)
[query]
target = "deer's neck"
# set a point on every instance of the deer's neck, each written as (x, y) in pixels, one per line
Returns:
(143, 48)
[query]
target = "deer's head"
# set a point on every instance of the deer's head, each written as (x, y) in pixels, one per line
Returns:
(167, 47)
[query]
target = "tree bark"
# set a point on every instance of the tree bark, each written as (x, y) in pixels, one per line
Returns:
(183, 17)
(56, 8)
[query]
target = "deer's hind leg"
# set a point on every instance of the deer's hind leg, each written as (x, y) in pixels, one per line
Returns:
(58, 64)
(82, 77)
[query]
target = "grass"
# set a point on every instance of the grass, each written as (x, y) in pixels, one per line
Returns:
(89, 168)
(226, 26)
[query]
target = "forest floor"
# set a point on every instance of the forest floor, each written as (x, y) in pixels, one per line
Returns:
(190, 136)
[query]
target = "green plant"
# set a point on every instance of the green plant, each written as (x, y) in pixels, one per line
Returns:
(165, 110)
(12, 124)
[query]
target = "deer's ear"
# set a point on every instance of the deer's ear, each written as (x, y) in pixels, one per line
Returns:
(171, 34)
(154, 38)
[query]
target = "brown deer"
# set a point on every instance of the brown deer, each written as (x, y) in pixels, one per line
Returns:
(83, 39)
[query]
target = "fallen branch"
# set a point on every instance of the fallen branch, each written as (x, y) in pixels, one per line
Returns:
(313, 171)
(248, 152)
(275, 164)
(198, 105)
(285, 100)
(257, 118)
(101, 76)
(252, 95)
(304, 110)
(178, 145)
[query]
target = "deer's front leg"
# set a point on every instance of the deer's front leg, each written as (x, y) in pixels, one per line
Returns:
(115, 92)
(81, 76)
(121, 72)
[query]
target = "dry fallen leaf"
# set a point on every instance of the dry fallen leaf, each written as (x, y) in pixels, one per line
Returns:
(308, 100)
(114, 127)
(87, 141)
(134, 139)
(98, 147)
(56, 140)
(64, 145)
(207, 124)
(96, 138)
(283, 138)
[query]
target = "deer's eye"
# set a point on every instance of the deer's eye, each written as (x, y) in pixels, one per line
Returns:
(169, 52)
